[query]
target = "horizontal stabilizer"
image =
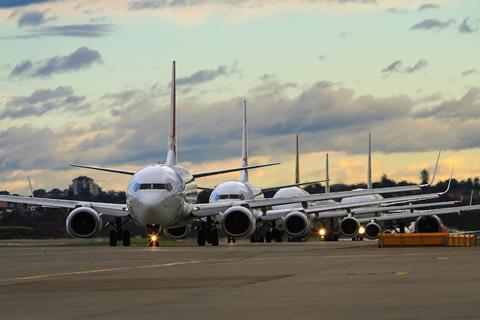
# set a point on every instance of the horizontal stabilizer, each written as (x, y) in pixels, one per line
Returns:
(131, 173)
(217, 172)
(293, 185)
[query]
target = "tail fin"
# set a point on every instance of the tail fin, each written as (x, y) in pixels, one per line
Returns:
(172, 135)
(369, 173)
(31, 189)
(297, 161)
(244, 174)
(327, 175)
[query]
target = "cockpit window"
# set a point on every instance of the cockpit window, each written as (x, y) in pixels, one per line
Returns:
(153, 186)
(230, 196)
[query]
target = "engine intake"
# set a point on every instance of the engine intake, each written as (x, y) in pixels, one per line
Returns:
(349, 227)
(176, 233)
(296, 224)
(372, 230)
(84, 222)
(428, 224)
(238, 222)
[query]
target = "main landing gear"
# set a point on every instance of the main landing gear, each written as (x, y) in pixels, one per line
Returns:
(207, 233)
(118, 234)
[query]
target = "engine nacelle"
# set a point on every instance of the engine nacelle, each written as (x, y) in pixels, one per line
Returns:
(84, 222)
(238, 222)
(176, 233)
(296, 224)
(427, 224)
(372, 230)
(349, 227)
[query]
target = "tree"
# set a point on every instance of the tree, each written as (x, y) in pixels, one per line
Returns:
(424, 176)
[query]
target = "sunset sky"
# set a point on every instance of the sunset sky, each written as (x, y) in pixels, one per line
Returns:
(88, 82)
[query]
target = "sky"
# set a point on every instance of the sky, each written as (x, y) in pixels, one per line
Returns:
(88, 82)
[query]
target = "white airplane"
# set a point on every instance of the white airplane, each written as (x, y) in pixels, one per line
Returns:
(242, 190)
(163, 196)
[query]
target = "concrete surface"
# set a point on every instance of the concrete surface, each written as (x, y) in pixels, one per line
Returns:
(317, 280)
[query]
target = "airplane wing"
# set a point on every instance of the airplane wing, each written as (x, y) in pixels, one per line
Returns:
(110, 209)
(216, 172)
(422, 213)
(212, 209)
(360, 211)
(262, 203)
(131, 173)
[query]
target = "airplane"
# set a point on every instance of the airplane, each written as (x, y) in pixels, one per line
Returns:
(298, 221)
(163, 196)
(242, 189)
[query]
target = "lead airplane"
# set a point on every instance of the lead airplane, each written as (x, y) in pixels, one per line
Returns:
(163, 196)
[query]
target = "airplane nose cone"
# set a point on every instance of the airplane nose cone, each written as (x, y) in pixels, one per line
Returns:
(160, 210)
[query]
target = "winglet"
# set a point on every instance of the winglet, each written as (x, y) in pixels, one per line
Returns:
(449, 183)
(434, 172)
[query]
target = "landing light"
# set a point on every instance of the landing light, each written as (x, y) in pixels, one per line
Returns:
(361, 230)
(322, 232)
(153, 237)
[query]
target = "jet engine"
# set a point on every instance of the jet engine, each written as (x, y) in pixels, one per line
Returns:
(349, 227)
(296, 224)
(84, 222)
(427, 224)
(176, 233)
(238, 222)
(372, 230)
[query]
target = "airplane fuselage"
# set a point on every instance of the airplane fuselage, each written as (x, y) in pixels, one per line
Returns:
(160, 194)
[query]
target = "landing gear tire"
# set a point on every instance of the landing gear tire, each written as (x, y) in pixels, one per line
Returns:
(201, 239)
(113, 238)
(252, 239)
(214, 238)
(126, 238)
(268, 237)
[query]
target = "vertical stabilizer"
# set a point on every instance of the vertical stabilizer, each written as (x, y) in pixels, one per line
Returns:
(369, 173)
(327, 175)
(297, 161)
(30, 186)
(244, 174)
(172, 134)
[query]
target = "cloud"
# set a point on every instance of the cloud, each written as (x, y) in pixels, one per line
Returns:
(161, 4)
(81, 58)
(432, 24)
(428, 6)
(74, 30)
(468, 26)
(33, 18)
(396, 67)
(393, 67)
(467, 107)
(329, 116)
(20, 3)
(207, 75)
(42, 101)
(469, 72)
(421, 64)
